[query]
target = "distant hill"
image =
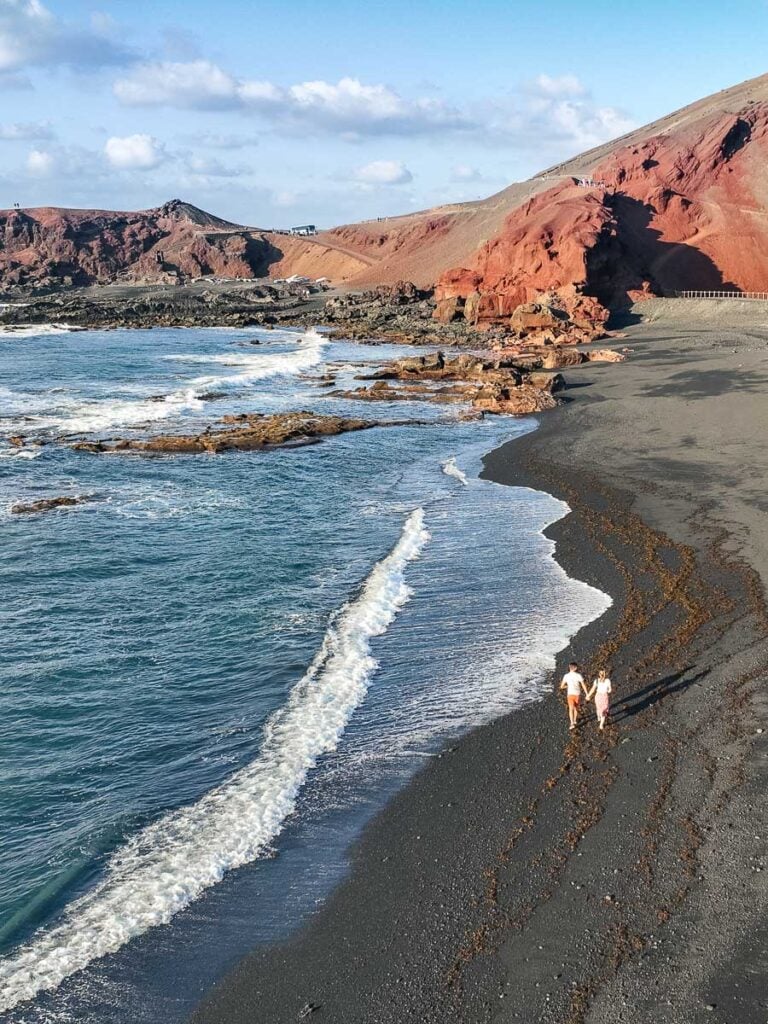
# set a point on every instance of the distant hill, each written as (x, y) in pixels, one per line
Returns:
(49, 247)
(681, 203)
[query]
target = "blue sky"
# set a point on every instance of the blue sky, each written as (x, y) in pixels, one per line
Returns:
(279, 113)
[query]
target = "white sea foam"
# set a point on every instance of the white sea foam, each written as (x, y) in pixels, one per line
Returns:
(451, 469)
(33, 330)
(254, 366)
(96, 416)
(20, 453)
(77, 416)
(168, 864)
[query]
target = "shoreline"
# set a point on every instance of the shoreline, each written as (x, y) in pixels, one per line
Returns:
(567, 855)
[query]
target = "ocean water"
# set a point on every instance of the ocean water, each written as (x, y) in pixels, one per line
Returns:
(219, 667)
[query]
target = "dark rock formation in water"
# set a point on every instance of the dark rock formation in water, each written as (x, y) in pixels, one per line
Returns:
(244, 432)
(47, 504)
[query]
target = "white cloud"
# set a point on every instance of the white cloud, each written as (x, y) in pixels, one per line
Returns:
(558, 86)
(41, 163)
(553, 112)
(348, 106)
(31, 35)
(209, 167)
(134, 152)
(11, 132)
(384, 172)
(65, 163)
(221, 140)
(463, 172)
(285, 198)
(551, 109)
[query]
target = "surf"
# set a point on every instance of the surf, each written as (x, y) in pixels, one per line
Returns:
(451, 469)
(168, 864)
(89, 416)
(259, 365)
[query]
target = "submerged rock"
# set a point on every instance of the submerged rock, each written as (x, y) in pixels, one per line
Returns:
(46, 504)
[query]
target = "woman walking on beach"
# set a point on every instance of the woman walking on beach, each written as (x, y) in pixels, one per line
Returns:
(601, 690)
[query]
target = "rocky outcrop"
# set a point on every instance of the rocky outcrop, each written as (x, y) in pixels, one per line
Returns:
(522, 400)
(462, 367)
(47, 504)
(244, 432)
(496, 385)
(201, 304)
(605, 355)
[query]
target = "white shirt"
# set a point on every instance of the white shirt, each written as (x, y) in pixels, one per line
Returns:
(603, 685)
(573, 681)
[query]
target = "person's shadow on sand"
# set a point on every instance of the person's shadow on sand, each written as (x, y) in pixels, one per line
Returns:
(649, 695)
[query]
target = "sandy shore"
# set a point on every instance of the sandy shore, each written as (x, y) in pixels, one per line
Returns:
(529, 875)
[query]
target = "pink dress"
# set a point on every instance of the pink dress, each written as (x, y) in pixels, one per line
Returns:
(603, 697)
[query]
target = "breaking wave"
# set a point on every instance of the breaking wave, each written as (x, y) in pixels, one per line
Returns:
(260, 366)
(451, 469)
(167, 865)
(78, 416)
(34, 330)
(20, 453)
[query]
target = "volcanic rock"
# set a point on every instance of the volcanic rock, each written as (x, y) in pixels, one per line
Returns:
(560, 358)
(516, 401)
(605, 355)
(546, 381)
(46, 504)
(460, 368)
(243, 432)
(671, 209)
(448, 310)
(536, 316)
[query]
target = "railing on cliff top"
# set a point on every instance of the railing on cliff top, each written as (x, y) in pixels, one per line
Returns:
(721, 295)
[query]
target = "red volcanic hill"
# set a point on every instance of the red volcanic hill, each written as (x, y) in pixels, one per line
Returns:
(679, 204)
(49, 247)
(679, 208)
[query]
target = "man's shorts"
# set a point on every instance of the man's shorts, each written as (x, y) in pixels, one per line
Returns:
(574, 699)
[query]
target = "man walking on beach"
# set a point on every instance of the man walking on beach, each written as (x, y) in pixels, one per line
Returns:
(573, 682)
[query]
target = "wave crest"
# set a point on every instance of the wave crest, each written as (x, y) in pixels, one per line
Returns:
(167, 865)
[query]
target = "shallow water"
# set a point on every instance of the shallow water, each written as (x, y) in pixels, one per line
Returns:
(216, 670)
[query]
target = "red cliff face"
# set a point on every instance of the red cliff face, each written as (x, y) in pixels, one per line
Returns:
(683, 209)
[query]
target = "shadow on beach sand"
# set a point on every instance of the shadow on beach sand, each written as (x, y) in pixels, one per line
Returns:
(633, 703)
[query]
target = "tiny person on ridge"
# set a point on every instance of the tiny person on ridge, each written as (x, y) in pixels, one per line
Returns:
(601, 690)
(573, 682)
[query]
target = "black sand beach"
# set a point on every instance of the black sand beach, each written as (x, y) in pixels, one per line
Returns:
(531, 875)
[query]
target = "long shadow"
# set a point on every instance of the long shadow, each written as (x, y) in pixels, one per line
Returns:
(697, 383)
(649, 695)
(634, 258)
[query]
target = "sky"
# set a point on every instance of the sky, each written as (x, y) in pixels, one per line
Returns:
(276, 114)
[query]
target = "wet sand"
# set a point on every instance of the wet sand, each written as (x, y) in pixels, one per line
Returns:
(531, 875)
